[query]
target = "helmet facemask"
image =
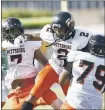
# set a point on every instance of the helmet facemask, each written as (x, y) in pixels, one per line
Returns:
(96, 45)
(10, 34)
(64, 31)
(11, 29)
(98, 51)
(58, 30)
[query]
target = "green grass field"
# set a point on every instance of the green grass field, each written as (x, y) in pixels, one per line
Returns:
(34, 22)
(61, 96)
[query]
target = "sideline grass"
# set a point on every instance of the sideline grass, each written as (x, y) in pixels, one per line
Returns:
(25, 13)
(34, 23)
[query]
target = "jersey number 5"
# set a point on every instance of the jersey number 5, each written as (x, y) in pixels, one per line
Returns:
(18, 57)
(100, 83)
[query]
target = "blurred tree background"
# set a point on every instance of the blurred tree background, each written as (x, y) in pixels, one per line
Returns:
(35, 14)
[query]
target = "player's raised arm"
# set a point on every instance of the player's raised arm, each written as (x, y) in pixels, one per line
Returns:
(64, 78)
(40, 57)
(33, 37)
(66, 74)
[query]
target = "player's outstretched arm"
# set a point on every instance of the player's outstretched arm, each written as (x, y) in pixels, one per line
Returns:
(38, 55)
(33, 37)
(64, 77)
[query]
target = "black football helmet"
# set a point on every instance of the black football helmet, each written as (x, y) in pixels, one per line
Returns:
(63, 25)
(96, 45)
(11, 29)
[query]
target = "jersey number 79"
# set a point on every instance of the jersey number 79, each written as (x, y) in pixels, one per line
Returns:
(98, 76)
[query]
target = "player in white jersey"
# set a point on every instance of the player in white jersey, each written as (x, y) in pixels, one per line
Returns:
(88, 71)
(63, 38)
(21, 72)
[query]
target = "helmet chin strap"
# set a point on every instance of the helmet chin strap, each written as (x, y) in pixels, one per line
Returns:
(52, 43)
(10, 39)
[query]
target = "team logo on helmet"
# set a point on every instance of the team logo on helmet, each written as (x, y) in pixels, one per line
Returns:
(91, 41)
(69, 21)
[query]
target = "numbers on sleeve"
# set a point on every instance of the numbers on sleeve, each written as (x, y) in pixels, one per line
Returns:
(98, 76)
(62, 55)
(84, 34)
(18, 57)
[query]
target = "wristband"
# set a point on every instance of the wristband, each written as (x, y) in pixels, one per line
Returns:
(27, 106)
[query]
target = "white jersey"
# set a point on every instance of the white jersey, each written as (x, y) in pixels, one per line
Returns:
(61, 48)
(88, 80)
(20, 60)
(4, 91)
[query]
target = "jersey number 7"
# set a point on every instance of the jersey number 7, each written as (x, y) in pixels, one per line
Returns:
(18, 57)
(99, 77)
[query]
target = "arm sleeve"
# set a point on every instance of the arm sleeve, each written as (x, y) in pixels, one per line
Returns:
(84, 42)
(46, 35)
(71, 56)
(70, 60)
(68, 67)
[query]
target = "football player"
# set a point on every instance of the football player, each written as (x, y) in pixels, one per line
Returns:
(21, 72)
(63, 37)
(88, 71)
